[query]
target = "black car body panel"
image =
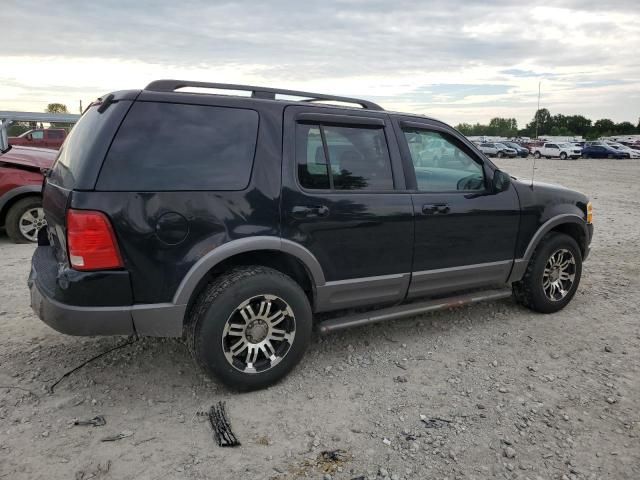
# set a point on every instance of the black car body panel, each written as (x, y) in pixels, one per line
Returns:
(350, 239)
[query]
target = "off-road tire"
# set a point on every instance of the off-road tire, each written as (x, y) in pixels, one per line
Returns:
(210, 312)
(13, 217)
(529, 291)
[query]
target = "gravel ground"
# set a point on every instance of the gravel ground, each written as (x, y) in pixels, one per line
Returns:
(486, 391)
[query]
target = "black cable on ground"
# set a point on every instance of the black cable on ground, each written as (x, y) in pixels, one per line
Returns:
(117, 347)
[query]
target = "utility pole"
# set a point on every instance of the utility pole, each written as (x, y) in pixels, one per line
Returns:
(538, 110)
(533, 166)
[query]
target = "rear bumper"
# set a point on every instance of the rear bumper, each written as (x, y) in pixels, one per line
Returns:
(74, 320)
(49, 300)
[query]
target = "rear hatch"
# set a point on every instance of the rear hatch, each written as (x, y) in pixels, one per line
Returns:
(79, 161)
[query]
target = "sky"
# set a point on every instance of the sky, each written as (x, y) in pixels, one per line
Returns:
(466, 61)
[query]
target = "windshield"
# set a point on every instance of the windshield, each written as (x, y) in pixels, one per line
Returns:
(566, 145)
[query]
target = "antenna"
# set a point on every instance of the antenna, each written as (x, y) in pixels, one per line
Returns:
(533, 172)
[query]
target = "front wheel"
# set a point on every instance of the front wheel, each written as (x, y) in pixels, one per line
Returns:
(537, 155)
(500, 154)
(552, 276)
(250, 327)
(563, 156)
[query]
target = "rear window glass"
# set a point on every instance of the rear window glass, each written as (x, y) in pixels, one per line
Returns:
(73, 152)
(55, 134)
(166, 146)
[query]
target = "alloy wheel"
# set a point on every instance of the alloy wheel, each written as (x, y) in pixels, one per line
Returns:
(30, 222)
(258, 334)
(559, 275)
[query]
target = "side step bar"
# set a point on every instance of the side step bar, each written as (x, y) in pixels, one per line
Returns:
(409, 310)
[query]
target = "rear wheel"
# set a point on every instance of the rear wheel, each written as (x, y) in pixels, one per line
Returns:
(250, 327)
(24, 219)
(552, 276)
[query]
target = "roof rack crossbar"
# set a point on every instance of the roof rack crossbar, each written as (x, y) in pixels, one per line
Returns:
(258, 92)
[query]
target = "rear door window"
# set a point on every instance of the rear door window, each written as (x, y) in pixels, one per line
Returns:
(55, 134)
(166, 146)
(343, 158)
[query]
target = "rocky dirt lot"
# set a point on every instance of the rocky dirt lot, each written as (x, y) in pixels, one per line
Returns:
(487, 391)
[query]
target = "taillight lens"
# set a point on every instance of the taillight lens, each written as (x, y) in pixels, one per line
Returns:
(91, 241)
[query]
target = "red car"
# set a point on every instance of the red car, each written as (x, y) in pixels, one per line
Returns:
(21, 191)
(41, 137)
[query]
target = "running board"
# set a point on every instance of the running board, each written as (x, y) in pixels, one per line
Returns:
(409, 310)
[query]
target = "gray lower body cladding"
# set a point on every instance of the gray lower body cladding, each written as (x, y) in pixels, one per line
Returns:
(163, 320)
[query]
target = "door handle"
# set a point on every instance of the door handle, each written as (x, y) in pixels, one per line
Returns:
(435, 208)
(306, 211)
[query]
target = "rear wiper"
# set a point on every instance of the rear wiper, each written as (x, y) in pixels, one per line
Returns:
(108, 100)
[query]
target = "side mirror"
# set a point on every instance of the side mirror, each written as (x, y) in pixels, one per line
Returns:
(501, 181)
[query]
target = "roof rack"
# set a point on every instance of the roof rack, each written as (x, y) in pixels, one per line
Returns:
(258, 92)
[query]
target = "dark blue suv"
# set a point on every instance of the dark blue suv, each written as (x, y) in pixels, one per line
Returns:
(241, 222)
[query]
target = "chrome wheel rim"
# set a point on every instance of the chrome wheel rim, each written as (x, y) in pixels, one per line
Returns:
(30, 222)
(559, 275)
(258, 334)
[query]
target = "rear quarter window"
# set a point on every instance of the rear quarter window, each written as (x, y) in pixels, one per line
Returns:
(166, 146)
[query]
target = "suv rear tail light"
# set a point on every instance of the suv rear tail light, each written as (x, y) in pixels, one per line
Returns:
(91, 241)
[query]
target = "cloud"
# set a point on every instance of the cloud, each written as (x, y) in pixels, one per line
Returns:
(467, 62)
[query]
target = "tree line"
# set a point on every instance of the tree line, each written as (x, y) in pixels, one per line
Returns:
(547, 124)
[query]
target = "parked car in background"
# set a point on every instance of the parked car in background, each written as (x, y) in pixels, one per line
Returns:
(623, 148)
(532, 145)
(41, 137)
(497, 150)
(520, 150)
(20, 191)
(603, 151)
(557, 150)
(632, 145)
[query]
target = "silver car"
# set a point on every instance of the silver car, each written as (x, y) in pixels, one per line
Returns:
(496, 149)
